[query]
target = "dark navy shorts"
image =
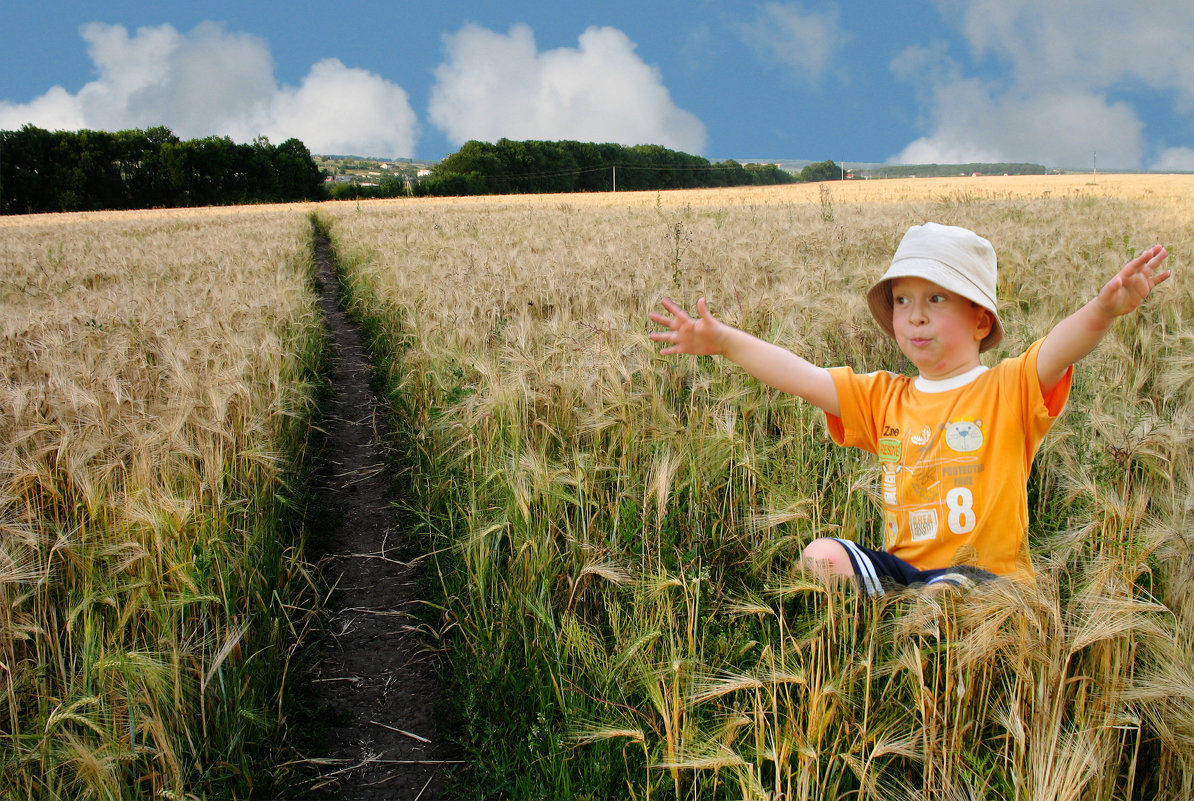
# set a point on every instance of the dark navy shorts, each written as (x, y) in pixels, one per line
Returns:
(878, 570)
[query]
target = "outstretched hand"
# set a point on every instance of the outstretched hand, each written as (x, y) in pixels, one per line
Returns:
(699, 336)
(1078, 334)
(1127, 290)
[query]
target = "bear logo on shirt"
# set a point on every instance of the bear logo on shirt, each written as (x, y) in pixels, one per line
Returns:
(964, 436)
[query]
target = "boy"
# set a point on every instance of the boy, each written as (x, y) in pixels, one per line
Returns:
(955, 444)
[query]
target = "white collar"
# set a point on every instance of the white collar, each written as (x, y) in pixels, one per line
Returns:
(946, 384)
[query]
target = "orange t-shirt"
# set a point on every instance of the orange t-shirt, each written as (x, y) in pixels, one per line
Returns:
(954, 457)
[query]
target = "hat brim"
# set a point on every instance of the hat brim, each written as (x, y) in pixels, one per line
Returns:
(882, 308)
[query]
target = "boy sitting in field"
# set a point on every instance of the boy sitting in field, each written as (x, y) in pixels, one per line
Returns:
(955, 444)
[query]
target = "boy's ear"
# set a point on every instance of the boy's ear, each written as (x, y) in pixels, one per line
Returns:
(984, 324)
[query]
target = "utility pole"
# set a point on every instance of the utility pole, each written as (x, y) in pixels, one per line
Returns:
(615, 180)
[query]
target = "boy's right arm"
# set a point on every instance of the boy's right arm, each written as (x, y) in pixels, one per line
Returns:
(705, 335)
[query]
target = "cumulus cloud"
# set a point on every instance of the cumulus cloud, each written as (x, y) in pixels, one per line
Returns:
(1054, 103)
(56, 110)
(790, 36)
(1058, 128)
(346, 110)
(215, 82)
(1090, 43)
(494, 85)
(1175, 159)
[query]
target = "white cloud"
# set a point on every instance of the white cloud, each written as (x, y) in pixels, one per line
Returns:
(1175, 159)
(494, 85)
(56, 110)
(1091, 43)
(213, 82)
(1060, 60)
(786, 34)
(972, 123)
(346, 111)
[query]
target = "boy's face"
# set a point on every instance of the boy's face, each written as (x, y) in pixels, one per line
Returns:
(938, 330)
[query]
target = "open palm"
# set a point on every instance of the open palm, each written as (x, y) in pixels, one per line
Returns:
(699, 336)
(1131, 285)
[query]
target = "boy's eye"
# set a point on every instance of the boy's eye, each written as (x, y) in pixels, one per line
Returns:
(937, 299)
(899, 300)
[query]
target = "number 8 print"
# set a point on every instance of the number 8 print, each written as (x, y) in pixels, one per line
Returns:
(959, 501)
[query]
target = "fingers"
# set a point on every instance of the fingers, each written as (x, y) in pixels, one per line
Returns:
(683, 330)
(1148, 261)
(1159, 256)
(1146, 265)
(675, 322)
(1128, 288)
(678, 318)
(676, 311)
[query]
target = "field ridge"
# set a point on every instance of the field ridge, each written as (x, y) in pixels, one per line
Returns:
(380, 689)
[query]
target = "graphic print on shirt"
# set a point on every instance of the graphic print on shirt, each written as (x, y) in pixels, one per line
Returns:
(922, 524)
(891, 531)
(923, 437)
(965, 446)
(964, 436)
(931, 490)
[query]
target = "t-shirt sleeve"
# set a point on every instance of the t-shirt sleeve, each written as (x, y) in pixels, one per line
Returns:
(1040, 409)
(858, 425)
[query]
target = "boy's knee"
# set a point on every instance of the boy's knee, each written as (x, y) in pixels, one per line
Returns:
(827, 557)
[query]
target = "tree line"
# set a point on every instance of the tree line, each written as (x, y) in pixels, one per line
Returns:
(537, 167)
(510, 167)
(52, 171)
(44, 171)
(950, 170)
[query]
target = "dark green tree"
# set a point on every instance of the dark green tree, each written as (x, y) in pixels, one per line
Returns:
(821, 171)
(43, 171)
(568, 166)
(26, 171)
(298, 177)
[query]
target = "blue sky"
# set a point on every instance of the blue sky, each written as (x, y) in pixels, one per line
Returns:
(1059, 82)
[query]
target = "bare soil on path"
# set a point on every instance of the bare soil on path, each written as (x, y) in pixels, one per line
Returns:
(379, 688)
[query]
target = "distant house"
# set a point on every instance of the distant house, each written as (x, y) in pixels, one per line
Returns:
(422, 173)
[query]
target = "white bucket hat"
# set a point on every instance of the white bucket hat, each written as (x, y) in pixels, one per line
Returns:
(953, 258)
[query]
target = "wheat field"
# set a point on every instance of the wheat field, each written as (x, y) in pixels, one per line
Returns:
(613, 535)
(158, 376)
(617, 532)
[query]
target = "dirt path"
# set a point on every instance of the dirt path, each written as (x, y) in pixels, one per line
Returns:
(382, 741)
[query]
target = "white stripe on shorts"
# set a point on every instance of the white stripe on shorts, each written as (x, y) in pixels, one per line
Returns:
(956, 579)
(870, 579)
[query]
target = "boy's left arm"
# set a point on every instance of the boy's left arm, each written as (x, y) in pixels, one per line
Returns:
(1078, 334)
